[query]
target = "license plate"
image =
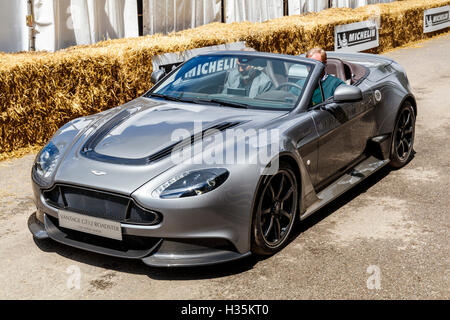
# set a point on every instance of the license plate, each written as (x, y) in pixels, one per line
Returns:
(92, 225)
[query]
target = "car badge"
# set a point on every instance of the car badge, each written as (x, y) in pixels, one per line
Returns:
(98, 173)
(378, 95)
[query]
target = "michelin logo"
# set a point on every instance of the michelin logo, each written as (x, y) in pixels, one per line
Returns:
(211, 67)
(436, 19)
(356, 37)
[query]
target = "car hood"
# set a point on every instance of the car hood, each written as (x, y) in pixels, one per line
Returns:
(131, 145)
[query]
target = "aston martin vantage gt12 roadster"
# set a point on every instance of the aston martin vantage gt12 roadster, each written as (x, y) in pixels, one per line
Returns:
(220, 158)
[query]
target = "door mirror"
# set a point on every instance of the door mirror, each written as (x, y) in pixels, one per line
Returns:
(157, 76)
(347, 93)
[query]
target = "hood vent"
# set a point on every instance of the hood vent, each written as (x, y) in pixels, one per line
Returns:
(88, 149)
(207, 132)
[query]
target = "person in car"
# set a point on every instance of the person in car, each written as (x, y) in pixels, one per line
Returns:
(329, 82)
(248, 75)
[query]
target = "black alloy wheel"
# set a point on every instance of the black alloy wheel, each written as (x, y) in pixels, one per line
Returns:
(276, 210)
(403, 136)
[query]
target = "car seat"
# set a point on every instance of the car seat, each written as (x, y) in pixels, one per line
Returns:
(336, 68)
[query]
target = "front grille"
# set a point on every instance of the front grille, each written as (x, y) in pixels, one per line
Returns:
(100, 204)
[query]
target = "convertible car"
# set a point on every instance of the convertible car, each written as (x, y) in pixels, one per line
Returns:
(221, 157)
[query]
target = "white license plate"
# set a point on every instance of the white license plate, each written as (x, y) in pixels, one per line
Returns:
(97, 226)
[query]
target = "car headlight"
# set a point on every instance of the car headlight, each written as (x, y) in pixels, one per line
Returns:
(46, 160)
(192, 183)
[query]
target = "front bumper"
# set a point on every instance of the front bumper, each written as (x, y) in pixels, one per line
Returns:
(195, 236)
(158, 253)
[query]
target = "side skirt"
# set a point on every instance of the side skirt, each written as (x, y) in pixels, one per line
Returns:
(344, 183)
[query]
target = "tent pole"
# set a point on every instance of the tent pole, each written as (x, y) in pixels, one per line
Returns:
(31, 25)
(222, 11)
(286, 7)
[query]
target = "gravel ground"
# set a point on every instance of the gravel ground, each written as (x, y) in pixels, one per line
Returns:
(386, 239)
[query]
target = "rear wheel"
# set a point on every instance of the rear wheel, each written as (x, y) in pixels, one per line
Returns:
(403, 136)
(275, 211)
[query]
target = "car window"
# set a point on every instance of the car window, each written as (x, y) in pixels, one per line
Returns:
(317, 96)
(252, 81)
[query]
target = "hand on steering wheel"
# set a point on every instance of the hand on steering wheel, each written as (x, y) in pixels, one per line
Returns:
(289, 84)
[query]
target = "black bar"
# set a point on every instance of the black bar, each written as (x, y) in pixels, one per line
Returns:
(286, 7)
(222, 11)
(140, 17)
(227, 309)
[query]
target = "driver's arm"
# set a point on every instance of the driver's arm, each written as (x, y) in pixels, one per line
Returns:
(330, 84)
(297, 91)
(232, 80)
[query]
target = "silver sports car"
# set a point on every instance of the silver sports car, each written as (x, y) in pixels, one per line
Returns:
(221, 157)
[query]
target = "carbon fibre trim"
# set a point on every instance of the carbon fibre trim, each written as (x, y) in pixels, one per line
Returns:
(344, 183)
(185, 253)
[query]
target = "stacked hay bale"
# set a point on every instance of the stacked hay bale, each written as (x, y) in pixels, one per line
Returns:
(41, 91)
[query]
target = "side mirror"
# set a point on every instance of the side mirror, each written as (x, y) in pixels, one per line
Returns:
(157, 76)
(347, 93)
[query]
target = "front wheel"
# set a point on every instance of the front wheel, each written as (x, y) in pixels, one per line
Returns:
(403, 136)
(275, 211)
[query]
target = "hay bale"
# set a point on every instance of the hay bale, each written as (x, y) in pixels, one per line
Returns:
(41, 91)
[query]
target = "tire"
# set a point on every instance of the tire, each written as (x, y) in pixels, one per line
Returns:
(403, 136)
(275, 211)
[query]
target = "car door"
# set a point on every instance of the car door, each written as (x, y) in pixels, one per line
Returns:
(336, 151)
(344, 129)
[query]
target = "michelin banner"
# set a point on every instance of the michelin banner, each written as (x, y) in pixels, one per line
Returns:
(436, 19)
(173, 59)
(355, 37)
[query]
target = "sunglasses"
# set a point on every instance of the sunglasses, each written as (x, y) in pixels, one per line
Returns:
(242, 65)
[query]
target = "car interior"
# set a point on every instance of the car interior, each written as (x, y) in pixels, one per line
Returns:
(348, 72)
(285, 77)
(286, 73)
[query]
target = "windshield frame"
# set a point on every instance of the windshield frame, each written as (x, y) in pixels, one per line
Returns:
(263, 55)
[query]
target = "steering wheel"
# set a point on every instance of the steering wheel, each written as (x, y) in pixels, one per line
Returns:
(289, 84)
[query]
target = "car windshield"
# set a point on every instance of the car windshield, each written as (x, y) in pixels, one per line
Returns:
(241, 81)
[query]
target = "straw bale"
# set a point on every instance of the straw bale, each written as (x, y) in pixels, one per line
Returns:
(40, 91)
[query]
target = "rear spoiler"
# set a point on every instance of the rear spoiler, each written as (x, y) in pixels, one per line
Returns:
(168, 61)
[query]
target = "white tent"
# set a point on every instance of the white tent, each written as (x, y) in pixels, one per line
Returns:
(302, 6)
(356, 3)
(165, 16)
(63, 23)
(13, 29)
(252, 10)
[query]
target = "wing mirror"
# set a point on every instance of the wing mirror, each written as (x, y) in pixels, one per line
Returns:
(347, 93)
(157, 76)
